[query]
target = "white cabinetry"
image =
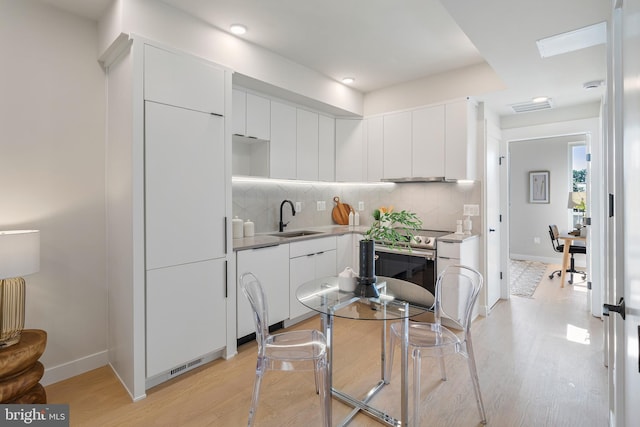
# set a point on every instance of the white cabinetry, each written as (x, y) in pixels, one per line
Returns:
(310, 259)
(461, 139)
(397, 145)
(453, 252)
(349, 149)
(307, 145)
(375, 148)
(185, 231)
(326, 148)
(271, 266)
(428, 142)
(282, 149)
(251, 115)
(347, 252)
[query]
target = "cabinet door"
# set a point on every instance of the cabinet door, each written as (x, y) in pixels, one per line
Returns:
(428, 142)
(184, 186)
(271, 266)
(183, 81)
(301, 270)
(307, 145)
(326, 148)
(344, 252)
(397, 145)
(375, 149)
(258, 117)
(460, 134)
(349, 159)
(325, 264)
(239, 112)
(282, 151)
(186, 314)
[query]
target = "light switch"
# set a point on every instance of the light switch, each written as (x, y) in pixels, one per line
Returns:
(298, 206)
(360, 206)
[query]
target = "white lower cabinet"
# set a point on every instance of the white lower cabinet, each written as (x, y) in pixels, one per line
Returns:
(347, 253)
(271, 266)
(186, 305)
(464, 252)
(310, 259)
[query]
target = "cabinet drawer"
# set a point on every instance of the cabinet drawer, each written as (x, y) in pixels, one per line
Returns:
(448, 250)
(312, 246)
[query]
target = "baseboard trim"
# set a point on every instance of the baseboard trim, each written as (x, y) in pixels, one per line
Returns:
(76, 367)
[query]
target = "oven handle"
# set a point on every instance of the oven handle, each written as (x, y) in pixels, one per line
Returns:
(417, 253)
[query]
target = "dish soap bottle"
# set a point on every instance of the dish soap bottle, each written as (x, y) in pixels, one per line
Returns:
(356, 219)
(351, 217)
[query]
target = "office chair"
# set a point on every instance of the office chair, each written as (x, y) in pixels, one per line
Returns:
(286, 351)
(573, 249)
(457, 290)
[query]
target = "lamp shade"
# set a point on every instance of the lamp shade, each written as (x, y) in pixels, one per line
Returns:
(19, 253)
(577, 199)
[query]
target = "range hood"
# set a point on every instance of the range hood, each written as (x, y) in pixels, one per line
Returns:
(419, 179)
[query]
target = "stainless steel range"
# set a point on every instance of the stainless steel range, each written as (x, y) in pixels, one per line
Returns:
(413, 261)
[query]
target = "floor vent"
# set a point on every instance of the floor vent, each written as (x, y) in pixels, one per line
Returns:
(526, 107)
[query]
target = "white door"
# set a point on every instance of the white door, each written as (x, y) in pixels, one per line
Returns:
(493, 224)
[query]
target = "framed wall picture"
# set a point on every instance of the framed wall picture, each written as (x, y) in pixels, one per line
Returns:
(539, 187)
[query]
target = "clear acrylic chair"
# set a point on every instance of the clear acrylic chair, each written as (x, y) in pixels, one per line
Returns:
(286, 351)
(457, 290)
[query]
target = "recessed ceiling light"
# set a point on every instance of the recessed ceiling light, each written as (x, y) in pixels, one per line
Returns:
(540, 99)
(348, 80)
(238, 29)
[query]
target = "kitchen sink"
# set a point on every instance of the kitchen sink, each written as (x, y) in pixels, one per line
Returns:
(298, 233)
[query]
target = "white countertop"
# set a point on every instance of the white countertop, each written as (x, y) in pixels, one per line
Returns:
(263, 240)
(457, 238)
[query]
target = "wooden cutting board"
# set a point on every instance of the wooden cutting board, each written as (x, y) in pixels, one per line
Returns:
(340, 213)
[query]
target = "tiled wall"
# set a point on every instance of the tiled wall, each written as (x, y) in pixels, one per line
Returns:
(439, 205)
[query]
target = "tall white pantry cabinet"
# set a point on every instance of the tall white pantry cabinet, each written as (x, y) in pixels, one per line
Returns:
(168, 186)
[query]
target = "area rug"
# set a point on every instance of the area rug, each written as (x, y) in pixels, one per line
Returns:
(525, 277)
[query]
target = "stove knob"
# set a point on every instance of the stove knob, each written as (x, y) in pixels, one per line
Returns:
(419, 239)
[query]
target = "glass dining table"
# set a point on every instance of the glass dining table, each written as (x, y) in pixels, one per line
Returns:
(324, 296)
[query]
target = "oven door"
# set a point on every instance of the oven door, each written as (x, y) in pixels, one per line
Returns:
(417, 267)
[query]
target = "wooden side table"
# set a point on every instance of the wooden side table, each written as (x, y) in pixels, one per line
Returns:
(20, 371)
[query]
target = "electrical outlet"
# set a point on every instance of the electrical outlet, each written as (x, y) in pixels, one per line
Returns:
(536, 240)
(324, 205)
(318, 205)
(298, 206)
(360, 206)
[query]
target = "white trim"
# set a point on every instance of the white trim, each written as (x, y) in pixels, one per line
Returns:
(73, 368)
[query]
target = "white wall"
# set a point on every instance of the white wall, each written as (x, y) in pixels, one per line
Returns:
(474, 80)
(165, 24)
(531, 220)
(52, 175)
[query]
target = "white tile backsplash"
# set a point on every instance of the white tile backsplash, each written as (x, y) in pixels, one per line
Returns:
(439, 205)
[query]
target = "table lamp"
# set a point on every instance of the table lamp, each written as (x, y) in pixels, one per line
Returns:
(19, 256)
(577, 200)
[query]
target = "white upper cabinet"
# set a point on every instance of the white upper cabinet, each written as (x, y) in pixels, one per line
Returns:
(307, 145)
(461, 146)
(397, 145)
(428, 142)
(349, 149)
(183, 81)
(326, 148)
(375, 148)
(282, 150)
(251, 115)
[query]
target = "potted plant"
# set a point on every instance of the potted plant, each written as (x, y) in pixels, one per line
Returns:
(390, 227)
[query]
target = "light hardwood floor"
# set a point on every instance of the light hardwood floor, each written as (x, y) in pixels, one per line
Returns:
(539, 359)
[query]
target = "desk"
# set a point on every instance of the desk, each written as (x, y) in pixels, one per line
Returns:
(323, 296)
(566, 256)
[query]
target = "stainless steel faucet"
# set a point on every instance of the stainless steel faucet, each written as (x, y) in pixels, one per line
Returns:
(282, 225)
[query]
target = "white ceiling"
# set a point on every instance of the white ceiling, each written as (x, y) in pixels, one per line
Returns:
(384, 42)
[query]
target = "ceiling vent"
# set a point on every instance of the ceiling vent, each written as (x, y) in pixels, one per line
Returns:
(526, 107)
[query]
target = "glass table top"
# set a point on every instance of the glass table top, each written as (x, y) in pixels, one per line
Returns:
(324, 296)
